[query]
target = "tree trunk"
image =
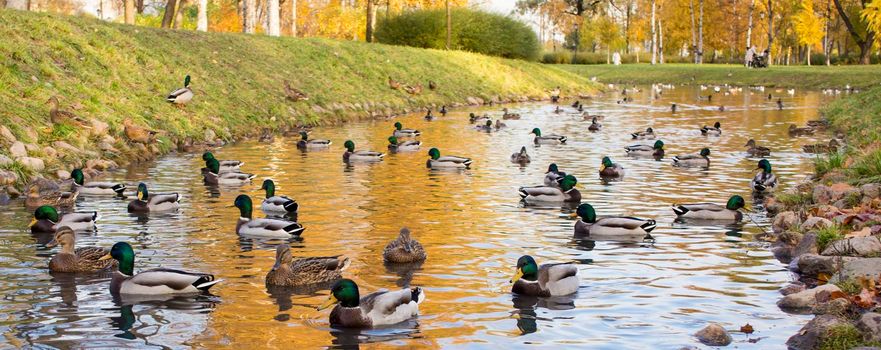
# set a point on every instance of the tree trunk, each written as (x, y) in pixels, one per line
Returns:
(627, 27)
(168, 16)
(293, 17)
(178, 15)
(250, 18)
(808, 54)
(827, 45)
(654, 36)
(864, 43)
(202, 20)
(660, 42)
(749, 25)
(449, 25)
(770, 30)
(274, 20)
(129, 11)
(700, 33)
(693, 34)
(140, 6)
(368, 36)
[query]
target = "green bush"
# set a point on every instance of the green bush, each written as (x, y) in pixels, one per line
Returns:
(828, 235)
(475, 31)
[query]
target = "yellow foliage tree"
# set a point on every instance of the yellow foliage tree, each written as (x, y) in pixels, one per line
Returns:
(808, 26)
(872, 15)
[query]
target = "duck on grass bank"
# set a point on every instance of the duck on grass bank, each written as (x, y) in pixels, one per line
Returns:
(616, 228)
(701, 160)
(360, 156)
(764, 181)
(401, 132)
(268, 228)
(145, 203)
(230, 178)
(159, 281)
(407, 146)
(566, 192)
(710, 211)
(47, 220)
(648, 134)
(403, 250)
(290, 272)
(548, 280)
(94, 187)
(609, 169)
(181, 96)
(656, 151)
(715, 130)
(306, 144)
(376, 309)
(446, 162)
(520, 157)
(72, 259)
(276, 205)
(755, 150)
(550, 139)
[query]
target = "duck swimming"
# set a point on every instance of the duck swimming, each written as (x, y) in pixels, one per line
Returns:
(276, 205)
(609, 169)
(549, 139)
(520, 157)
(710, 211)
(401, 132)
(648, 134)
(406, 146)
(765, 180)
(403, 250)
(47, 220)
(145, 203)
(72, 259)
(378, 308)
(553, 176)
(438, 162)
(715, 130)
(618, 228)
(701, 159)
(94, 187)
(547, 280)
(270, 228)
(290, 272)
(159, 281)
(306, 144)
(656, 150)
(350, 155)
(755, 150)
(566, 192)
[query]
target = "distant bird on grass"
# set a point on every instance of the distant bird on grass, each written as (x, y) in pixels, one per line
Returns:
(294, 94)
(183, 95)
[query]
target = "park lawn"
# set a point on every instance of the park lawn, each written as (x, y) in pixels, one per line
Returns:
(858, 116)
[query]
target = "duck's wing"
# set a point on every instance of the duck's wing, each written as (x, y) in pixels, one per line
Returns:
(687, 157)
(369, 153)
(237, 176)
(79, 217)
(639, 148)
(91, 253)
(158, 199)
(627, 223)
(410, 143)
(175, 279)
(454, 159)
(321, 264)
(555, 272)
(279, 200)
(276, 225)
(385, 302)
(681, 209)
(174, 94)
(231, 163)
(539, 191)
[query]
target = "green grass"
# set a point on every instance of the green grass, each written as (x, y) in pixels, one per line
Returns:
(827, 235)
(775, 76)
(792, 200)
(857, 116)
(827, 163)
(849, 286)
(843, 337)
(113, 71)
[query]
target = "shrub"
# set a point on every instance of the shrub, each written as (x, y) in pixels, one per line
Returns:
(825, 164)
(475, 31)
(828, 235)
(843, 337)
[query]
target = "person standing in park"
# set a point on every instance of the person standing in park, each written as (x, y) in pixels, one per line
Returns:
(750, 54)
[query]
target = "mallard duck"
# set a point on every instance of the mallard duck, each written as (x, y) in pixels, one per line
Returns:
(55, 198)
(520, 157)
(715, 130)
(272, 228)
(400, 132)
(656, 150)
(290, 272)
(274, 205)
(558, 110)
(293, 94)
(438, 162)
(779, 103)
(594, 125)
(156, 203)
(550, 139)
(224, 166)
(46, 219)
(183, 95)
(499, 124)
(755, 150)
(231, 178)
(612, 228)
(765, 180)
(138, 134)
(486, 127)
(648, 134)
(673, 107)
(796, 131)
(413, 90)
(508, 115)
(406, 146)
(58, 116)
(306, 143)
(93, 187)
(394, 84)
(378, 308)
(72, 259)
(403, 250)
(590, 117)
(710, 211)
(566, 192)
(701, 159)
(831, 147)
(475, 119)
(548, 280)
(159, 281)
(576, 104)
(818, 124)
(432, 85)
(360, 156)
(429, 116)
(443, 110)
(609, 169)
(553, 176)
(267, 136)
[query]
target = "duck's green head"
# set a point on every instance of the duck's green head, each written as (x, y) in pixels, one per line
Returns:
(489, 122)
(77, 176)
(471, 115)
(304, 135)
(349, 145)
(568, 182)
(586, 212)
(143, 195)
(765, 165)
(536, 131)
(398, 126)
(735, 202)
(607, 162)
(213, 165)
(207, 155)
(125, 255)
(243, 202)
(187, 81)
(526, 269)
(269, 186)
(434, 153)
(705, 152)
(658, 144)
(717, 125)
(45, 212)
(553, 168)
(344, 292)
(393, 140)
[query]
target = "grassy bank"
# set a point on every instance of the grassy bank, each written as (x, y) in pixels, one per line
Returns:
(775, 76)
(859, 117)
(110, 72)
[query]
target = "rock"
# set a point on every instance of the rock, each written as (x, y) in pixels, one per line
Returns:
(813, 264)
(784, 221)
(858, 267)
(17, 150)
(31, 147)
(839, 307)
(64, 147)
(50, 152)
(98, 127)
(35, 164)
(4, 160)
(871, 190)
(7, 135)
(815, 223)
(785, 245)
(870, 324)
(792, 288)
(810, 336)
(806, 299)
(62, 174)
(713, 335)
(856, 246)
(7, 177)
(210, 136)
(807, 245)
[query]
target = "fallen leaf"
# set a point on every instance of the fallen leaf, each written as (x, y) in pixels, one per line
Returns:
(865, 232)
(822, 278)
(863, 300)
(837, 294)
(747, 328)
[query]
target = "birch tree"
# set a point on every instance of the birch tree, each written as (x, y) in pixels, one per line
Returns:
(202, 19)
(249, 20)
(129, 11)
(273, 19)
(654, 36)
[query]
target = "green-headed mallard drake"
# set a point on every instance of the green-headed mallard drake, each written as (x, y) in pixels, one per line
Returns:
(231, 178)
(275, 205)
(755, 150)
(609, 169)
(271, 228)
(403, 250)
(290, 272)
(553, 176)
(55, 198)
(765, 180)
(73, 259)
(710, 211)
(715, 130)
(306, 143)
(360, 156)
(549, 139)
(566, 192)
(831, 147)
(46, 219)
(594, 125)
(401, 132)
(159, 281)
(224, 166)
(520, 157)
(378, 308)
(429, 116)
(701, 159)
(94, 187)
(796, 131)
(612, 228)
(656, 150)
(509, 116)
(146, 203)
(487, 126)
(548, 280)
(446, 162)
(407, 146)
(183, 95)
(477, 119)
(648, 134)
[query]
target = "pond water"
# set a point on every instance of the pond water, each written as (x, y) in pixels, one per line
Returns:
(473, 226)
